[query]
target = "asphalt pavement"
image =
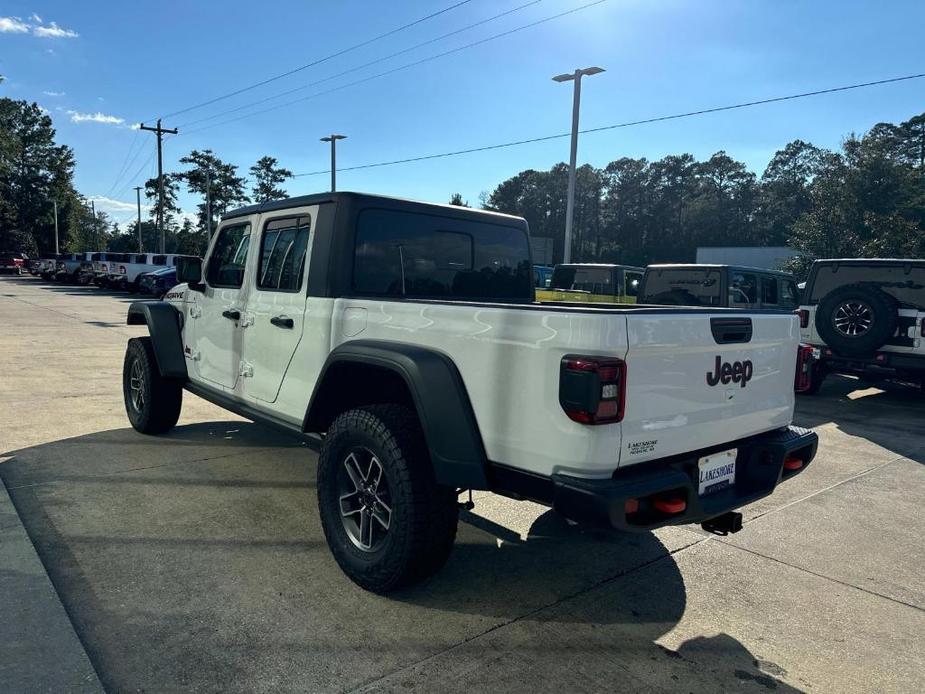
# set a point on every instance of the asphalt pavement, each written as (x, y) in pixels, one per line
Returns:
(196, 561)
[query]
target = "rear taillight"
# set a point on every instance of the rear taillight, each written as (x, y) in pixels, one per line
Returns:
(804, 317)
(804, 375)
(592, 390)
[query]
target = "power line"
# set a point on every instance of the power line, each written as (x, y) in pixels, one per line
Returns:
(403, 67)
(627, 124)
(125, 164)
(360, 67)
(318, 61)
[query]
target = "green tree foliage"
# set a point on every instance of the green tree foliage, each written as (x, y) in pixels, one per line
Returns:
(866, 200)
(34, 172)
(226, 187)
(457, 199)
(268, 177)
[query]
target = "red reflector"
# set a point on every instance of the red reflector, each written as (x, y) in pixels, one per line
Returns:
(792, 463)
(631, 506)
(674, 504)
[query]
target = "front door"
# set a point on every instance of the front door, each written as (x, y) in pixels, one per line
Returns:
(276, 302)
(216, 319)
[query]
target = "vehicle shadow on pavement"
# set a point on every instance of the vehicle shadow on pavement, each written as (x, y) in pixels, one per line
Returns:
(196, 560)
(890, 415)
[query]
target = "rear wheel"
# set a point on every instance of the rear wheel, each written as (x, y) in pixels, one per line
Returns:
(386, 520)
(152, 402)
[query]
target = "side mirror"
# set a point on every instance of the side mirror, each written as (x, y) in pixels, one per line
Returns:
(189, 270)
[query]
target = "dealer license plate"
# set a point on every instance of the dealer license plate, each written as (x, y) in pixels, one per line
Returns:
(717, 471)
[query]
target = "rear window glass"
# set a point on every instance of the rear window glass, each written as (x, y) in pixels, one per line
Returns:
(159, 260)
(906, 287)
(682, 287)
(789, 296)
(595, 280)
(631, 281)
(426, 256)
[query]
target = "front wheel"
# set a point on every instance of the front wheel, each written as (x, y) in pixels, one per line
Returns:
(387, 522)
(152, 402)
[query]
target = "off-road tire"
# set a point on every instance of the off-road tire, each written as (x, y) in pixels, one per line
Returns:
(883, 319)
(162, 399)
(424, 515)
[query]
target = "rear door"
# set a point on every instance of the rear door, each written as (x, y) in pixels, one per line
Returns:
(698, 379)
(276, 302)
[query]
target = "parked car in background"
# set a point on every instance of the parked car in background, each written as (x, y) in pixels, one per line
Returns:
(542, 276)
(158, 282)
(13, 262)
(47, 266)
(718, 285)
(593, 283)
(866, 317)
(67, 267)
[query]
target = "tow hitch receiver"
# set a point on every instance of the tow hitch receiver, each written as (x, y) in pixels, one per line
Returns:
(729, 522)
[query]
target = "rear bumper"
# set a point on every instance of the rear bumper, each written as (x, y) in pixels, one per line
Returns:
(885, 364)
(603, 502)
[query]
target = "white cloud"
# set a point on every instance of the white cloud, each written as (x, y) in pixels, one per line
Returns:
(53, 31)
(13, 25)
(97, 117)
(35, 18)
(53, 93)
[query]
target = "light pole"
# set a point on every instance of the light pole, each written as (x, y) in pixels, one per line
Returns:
(576, 100)
(332, 138)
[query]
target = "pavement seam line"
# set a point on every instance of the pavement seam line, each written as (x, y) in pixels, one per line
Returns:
(823, 576)
(530, 613)
(829, 488)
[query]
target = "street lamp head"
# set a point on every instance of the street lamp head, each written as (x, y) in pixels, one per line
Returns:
(583, 72)
(331, 138)
(564, 78)
(592, 70)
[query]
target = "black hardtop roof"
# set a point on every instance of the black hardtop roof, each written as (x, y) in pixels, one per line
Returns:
(604, 265)
(871, 261)
(369, 200)
(716, 266)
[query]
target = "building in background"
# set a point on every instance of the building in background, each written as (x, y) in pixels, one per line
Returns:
(767, 257)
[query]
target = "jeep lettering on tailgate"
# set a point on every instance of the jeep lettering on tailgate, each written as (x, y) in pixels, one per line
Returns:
(737, 372)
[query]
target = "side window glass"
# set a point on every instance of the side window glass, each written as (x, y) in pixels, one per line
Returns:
(788, 294)
(631, 282)
(159, 260)
(743, 289)
(282, 254)
(229, 256)
(769, 291)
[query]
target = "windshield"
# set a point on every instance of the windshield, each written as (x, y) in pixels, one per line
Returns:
(908, 288)
(596, 280)
(682, 287)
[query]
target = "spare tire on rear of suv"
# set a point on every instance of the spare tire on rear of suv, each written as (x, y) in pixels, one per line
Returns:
(856, 320)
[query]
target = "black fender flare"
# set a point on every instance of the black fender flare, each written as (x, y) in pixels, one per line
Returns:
(163, 321)
(440, 399)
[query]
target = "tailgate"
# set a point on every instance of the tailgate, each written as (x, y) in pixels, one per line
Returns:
(700, 379)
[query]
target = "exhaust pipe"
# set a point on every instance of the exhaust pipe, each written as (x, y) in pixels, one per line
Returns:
(729, 522)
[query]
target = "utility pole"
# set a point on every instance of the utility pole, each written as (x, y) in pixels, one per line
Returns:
(332, 138)
(159, 131)
(208, 204)
(138, 201)
(96, 228)
(576, 101)
(57, 251)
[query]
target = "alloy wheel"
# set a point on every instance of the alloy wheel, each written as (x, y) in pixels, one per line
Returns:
(137, 386)
(364, 499)
(853, 318)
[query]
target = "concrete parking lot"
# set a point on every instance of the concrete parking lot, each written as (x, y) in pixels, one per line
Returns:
(196, 561)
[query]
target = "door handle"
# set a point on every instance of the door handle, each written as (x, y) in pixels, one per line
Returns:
(232, 314)
(282, 322)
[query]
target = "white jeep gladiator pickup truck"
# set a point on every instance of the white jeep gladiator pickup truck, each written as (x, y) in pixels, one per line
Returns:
(406, 338)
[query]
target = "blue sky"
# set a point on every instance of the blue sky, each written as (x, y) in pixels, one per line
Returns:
(99, 67)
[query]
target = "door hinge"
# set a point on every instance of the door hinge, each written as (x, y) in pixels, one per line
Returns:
(246, 370)
(195, 312)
